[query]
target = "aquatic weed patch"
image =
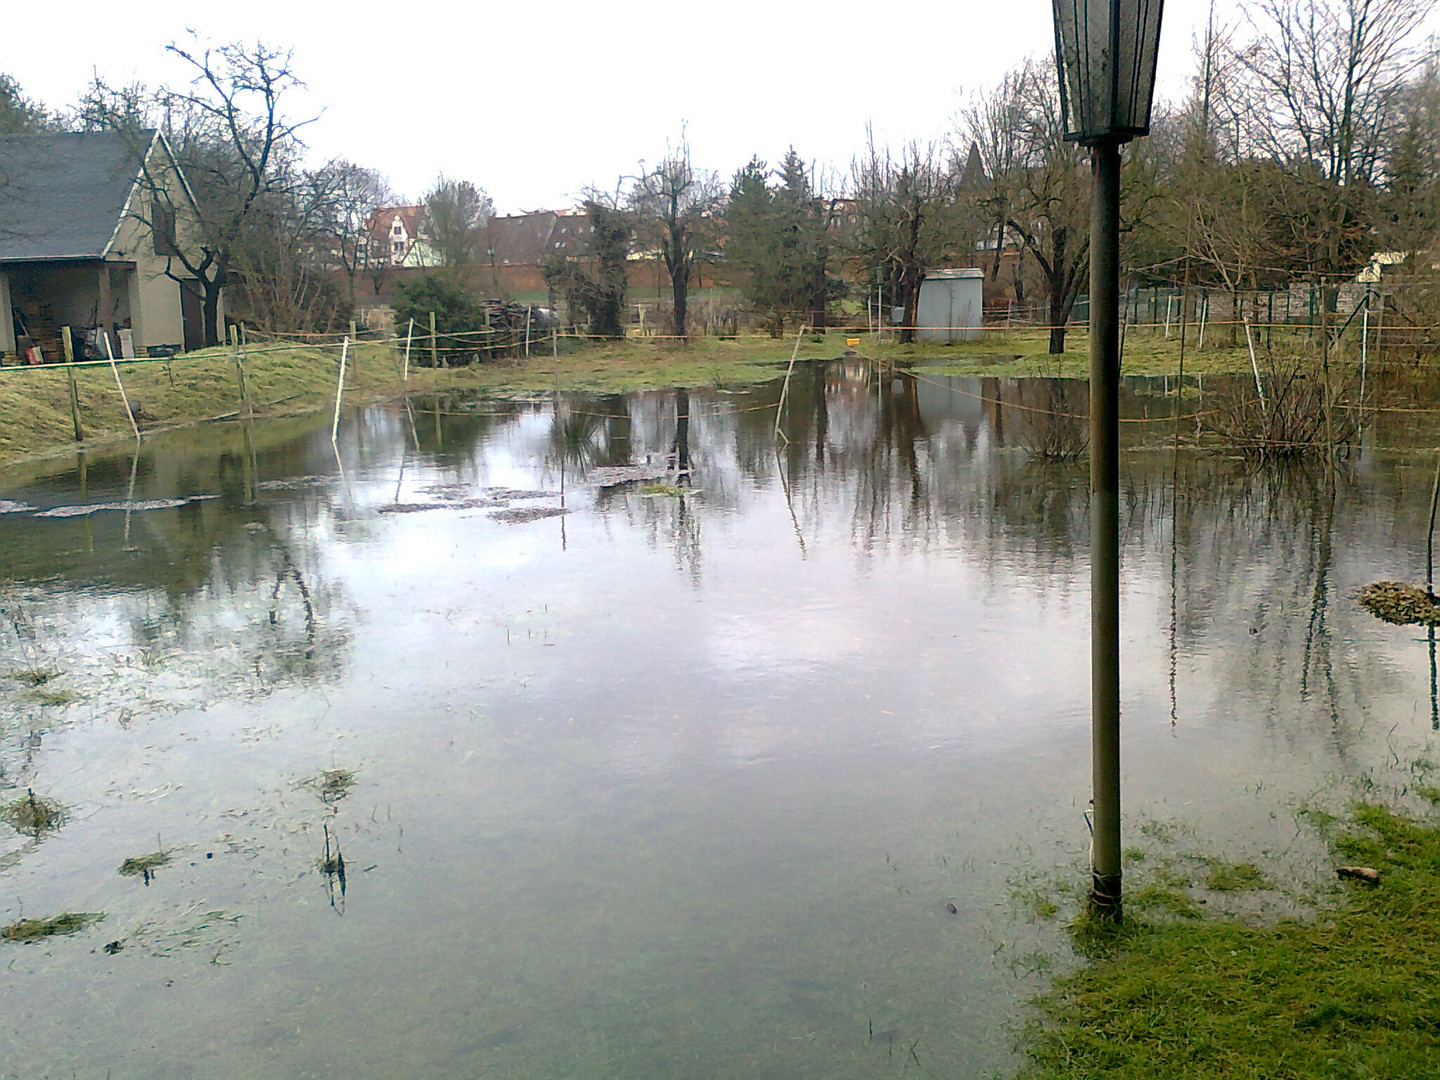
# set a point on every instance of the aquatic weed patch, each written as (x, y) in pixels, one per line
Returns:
(144, 866)
(67, 922)
(34, 815)
(1350, 992)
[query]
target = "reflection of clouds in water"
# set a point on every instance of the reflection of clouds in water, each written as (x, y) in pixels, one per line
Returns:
(788, 642)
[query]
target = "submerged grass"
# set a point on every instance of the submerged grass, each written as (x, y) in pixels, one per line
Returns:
(33, 677)
(33, 814)
(1175, 992)
(144, 866)
(67, 922)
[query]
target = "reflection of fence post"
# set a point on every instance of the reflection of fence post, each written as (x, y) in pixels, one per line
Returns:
(339, 390)
(785, 389)
(68, 343)
(434, 344)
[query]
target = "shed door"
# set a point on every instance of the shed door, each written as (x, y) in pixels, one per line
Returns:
(192, 316)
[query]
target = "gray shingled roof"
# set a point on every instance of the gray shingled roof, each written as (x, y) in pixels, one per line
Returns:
(61, 196)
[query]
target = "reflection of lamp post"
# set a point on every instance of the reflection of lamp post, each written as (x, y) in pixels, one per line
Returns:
(1105, 51)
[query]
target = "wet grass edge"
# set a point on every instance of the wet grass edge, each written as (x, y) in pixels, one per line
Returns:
(1349, 991)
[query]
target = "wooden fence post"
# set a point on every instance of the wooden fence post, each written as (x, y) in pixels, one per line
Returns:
(68, 342)
(434, 345)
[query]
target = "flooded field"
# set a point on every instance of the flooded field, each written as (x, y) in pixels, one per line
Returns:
(503, 747)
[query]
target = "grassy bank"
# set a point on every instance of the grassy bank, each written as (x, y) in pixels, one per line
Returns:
(1353, 992)
(35, 402)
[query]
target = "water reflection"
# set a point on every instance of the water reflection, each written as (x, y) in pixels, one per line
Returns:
(725, 769)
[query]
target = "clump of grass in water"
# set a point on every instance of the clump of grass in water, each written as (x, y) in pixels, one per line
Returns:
(1234, 877)
(53, 697)
(1211, 997)
(67, 922)
(34, 676)
(1401, 604)
(33, 815)
(144, 866)
(334, 784)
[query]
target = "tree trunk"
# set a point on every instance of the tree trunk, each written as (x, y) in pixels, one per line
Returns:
(911, 278)
(819, 297)
(210, 307)
(1059, 316)
(679, 290)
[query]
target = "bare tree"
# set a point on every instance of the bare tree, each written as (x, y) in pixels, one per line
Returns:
(1326, 79)
(232, 143)
(673, 206)
(907, 206)
(454, 222)
(349, 196)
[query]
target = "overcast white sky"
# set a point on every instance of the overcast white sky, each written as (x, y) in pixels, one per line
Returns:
(535, 102)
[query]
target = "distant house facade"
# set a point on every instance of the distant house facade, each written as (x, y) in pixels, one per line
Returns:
(396, 239)
(89, 228)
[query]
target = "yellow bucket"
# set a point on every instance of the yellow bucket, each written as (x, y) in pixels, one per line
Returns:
(851, 342)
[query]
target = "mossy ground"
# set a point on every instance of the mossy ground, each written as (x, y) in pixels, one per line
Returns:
(1401, 604)
(1351, 992)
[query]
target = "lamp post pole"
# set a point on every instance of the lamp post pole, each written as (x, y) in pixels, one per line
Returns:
(1105, 52)
(1105, 525)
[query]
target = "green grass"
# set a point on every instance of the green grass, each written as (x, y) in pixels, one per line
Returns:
(288, 380)
(1353, 992)
(68, 922)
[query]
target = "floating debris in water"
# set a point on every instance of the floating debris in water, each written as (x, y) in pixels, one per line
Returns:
(112, 947)
(614, 475)
(34, 676)
(521, 514)
(662, 491)
(52, 697)
(295, 483)
(1401, 604)
(505, 494)
(133, 506)
(10, 506)
(67, 922)
(144, 866)
(415, 508)
(34, 815)
(332, 785)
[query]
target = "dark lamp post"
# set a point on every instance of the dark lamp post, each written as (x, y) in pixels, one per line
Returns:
(1105, 51)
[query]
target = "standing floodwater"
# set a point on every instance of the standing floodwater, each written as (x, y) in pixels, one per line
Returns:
(511, 750)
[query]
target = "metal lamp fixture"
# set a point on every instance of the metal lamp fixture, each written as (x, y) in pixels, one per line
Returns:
(1105, 50)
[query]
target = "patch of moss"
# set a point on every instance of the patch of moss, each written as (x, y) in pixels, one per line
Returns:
(67, 922)
(33, 815)
(1400, 604)
(661, 491)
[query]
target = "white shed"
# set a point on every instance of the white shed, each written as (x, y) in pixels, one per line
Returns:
(952, 303)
